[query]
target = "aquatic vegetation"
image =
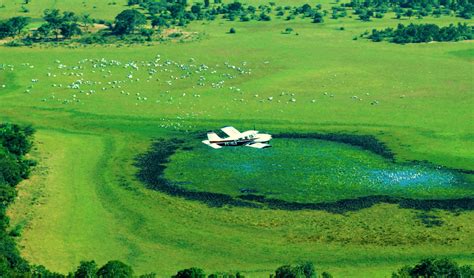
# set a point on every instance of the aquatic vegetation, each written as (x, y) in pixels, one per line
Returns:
(310, 170)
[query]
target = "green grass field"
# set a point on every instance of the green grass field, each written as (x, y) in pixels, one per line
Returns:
(84, 202)
(95, 8)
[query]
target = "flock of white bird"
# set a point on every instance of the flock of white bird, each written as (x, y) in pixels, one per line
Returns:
(159, 80)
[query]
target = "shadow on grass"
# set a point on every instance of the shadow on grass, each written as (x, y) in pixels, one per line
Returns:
(152, 164)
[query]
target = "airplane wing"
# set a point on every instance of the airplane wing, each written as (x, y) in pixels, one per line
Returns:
(258, 145)
(231, 131)
(212, 145)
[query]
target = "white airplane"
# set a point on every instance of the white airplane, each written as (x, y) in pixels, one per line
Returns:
(249, 138)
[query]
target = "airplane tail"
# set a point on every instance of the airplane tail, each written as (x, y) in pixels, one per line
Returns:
(212, 136)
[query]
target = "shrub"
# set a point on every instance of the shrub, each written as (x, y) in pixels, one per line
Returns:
(192, 272)
(435, 268)
(302, 270)
(288, 30)
(264, 17)
(115, 269)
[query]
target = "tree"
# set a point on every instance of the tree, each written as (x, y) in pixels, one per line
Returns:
(196, 9)
(426, 268)
(434, 268)
(115, 269)
(158, 21)
(54, 20)
(86, 269)
(87, 21)
(264, 17)
(10, 170)
(43, 31)
(409, 13)
(41, 271)
(15, 138)
(232, 30)
(192, 272)
(5, 29)
(302, 270)
(148, 33)
(326, 275)
(206, 3)
(18, 23)
(176, 10)
(57, 24)
(466, 271)
(69, 29)
(318, 18)
(127, 21)
(234, 6)
(13, 26)
(365, 15)
(308, 269)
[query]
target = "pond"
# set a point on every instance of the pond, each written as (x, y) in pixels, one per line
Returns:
(309, 170)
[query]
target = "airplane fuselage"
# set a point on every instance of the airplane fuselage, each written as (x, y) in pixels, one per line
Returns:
(246, 138)
(250, 138)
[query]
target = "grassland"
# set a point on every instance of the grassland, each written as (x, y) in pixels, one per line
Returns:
(85, 203)
(95, 8)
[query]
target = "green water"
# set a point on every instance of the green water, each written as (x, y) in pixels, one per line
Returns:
(309, 170)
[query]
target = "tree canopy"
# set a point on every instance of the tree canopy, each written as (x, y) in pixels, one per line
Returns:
(115, 269)
(13, 26)
(192, 272)
(128, 21)
(302, 270)
(435, 268)
(417, 33)
(65, 24)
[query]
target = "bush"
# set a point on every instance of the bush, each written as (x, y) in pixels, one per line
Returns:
(244, 18)
(264, 17)
(302, 270)
(326, 275)
(93, 39)
(232, 30)
(192, 272)
(115, 269)
(288, 30)
(435, 268)
(318, 18)
(86, 269)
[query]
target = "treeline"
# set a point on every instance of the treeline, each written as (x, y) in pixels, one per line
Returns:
(15, 142)
(417, 33)
(145, 19)
(177, 12)
(409, 8)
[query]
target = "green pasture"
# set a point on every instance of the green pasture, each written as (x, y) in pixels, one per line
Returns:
(95, 8)
(84, 202)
